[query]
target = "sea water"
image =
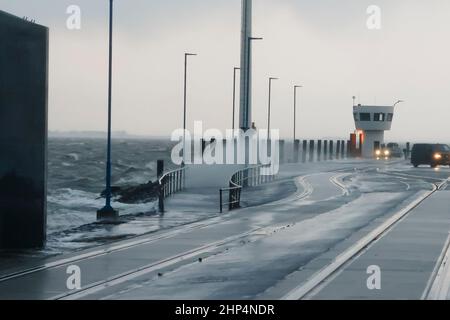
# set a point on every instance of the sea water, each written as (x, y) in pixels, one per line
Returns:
(76, 177)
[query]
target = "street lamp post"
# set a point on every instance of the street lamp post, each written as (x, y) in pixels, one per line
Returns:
(108, 212)
(234, 96)
(186, 55)
(270, 102)
(247, 82)
(295, 111)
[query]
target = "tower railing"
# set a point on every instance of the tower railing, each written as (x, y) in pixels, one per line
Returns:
(248, 177)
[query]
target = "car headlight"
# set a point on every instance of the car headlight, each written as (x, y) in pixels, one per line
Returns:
(387, 153)
(437, 156)
(378, 152)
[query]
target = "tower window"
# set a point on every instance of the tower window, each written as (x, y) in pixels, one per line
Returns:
(379, 117)
(364, 117)
(390, 117)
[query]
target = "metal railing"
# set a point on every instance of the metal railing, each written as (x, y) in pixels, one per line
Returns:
(248, 177)
(171, 182)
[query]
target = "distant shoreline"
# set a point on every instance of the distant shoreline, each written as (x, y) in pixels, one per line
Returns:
(101, 135)
(123, 135)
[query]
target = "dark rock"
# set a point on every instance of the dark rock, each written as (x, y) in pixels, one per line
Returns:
(139, 194)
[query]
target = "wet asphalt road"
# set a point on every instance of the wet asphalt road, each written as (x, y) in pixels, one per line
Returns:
(263, 244)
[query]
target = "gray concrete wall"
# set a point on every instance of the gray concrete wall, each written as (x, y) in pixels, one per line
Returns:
(23, 132)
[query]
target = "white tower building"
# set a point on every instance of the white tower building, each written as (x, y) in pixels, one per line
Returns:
(373, 121)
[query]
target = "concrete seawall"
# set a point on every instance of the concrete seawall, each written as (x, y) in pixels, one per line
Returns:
(23, 132)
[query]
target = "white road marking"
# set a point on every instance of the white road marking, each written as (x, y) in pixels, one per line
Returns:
(305, 288)
(335, 181)
(438, 286)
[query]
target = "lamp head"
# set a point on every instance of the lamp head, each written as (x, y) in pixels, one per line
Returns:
(399, 101)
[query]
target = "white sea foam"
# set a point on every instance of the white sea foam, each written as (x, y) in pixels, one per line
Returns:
(74, 156)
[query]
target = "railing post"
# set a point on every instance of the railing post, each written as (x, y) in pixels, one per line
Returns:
(325, 150)
(174, 182)
(169, 184)
(331, 149)
(338, 149)
(349, 148)
(296, 150)
(282, 152)
(238, 202)
(221, 210)
(319, 150)
(342, 149)
(230, 196)
(259, 176)
(164, 183)
(311, 150)
(159, 173)
(184, 175)
(304, 147)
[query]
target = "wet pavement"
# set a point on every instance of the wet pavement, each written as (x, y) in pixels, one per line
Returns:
(291, 228)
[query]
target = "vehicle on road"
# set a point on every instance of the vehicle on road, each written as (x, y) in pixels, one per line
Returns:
(392, 150)
(430, 154)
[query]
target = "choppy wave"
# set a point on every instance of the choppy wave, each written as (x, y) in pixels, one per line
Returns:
(77, 177)
(151, 166)
(74, 156)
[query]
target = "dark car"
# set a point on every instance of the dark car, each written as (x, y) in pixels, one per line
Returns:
(430, 154)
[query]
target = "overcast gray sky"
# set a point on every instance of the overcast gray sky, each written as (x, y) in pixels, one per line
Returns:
(324, 45)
